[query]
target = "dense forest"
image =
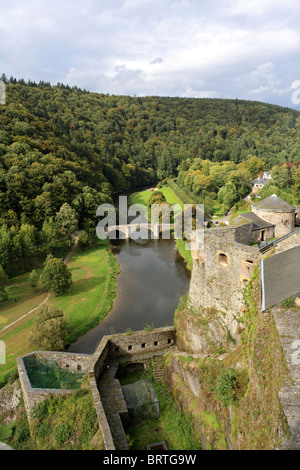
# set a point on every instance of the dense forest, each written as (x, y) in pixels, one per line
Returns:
(64, 150)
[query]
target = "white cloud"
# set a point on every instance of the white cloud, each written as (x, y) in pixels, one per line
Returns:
(175, 47)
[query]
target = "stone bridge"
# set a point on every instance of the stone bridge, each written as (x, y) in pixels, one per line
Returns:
(140, 230)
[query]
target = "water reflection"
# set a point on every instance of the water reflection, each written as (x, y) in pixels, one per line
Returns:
(152, 279)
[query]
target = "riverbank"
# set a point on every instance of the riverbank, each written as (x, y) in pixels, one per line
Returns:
(142, 197)
(89, 300)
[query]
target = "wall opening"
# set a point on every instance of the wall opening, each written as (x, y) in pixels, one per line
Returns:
(223, 259)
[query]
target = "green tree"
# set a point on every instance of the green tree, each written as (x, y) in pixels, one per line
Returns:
(5, 239)
(34, 279)
(3, 281)
(255, 166)
(281, 176)
(66, 221)
(56, 277)
(50, 330)
(50, 231)
(83, 239)
(296, 185)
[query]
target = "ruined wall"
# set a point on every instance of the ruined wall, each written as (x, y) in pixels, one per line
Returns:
(118, 347)
(33, 396)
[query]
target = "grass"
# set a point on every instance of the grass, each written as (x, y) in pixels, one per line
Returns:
(58, 423)
(88, 301)
(141, 197)
(172, 426)
(82, 303)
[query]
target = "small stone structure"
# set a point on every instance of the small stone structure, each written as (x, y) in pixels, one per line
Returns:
(33, 396)
(276, 211)
(101, 367)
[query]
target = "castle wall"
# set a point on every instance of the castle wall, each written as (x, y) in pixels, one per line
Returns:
(120, 347)
(221, 270)
(284, 221)
(290, 242)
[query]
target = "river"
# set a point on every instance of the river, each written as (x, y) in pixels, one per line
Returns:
(152, 279)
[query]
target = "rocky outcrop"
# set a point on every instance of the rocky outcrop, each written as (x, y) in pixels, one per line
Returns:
(9, 397)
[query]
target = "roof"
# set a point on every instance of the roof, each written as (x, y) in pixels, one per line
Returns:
(274, 203)
(258, 223)
(261, 181)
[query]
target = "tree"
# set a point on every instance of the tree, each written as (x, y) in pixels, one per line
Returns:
(34, 278)
(67, 221)
(56, 277)
(3, 281)
(254, 165)
(83, 239)
(281, 176)
(50, 231)
(50, 330)
(296, 185)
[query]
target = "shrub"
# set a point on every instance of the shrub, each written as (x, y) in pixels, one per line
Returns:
(226, 385)
(83, 240)
(289, 302)
(5, 433)
(62, 433)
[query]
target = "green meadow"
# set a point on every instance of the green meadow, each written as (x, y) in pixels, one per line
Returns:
(88, 301)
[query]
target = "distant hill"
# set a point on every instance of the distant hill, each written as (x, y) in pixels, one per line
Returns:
(61, 144)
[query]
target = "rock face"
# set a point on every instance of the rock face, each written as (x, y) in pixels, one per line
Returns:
(9, 397)
(4, 446)
(288, 325)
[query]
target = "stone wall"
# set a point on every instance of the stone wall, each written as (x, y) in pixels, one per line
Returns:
(10, 396)
(221, 270)
(290, 242)
(111, 348)
(287, 323)
(284, 221)
(33, 396)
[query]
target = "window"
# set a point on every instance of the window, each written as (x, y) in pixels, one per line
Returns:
(249, 264)
(155, 343)
(223, 259)
(129, 348)
(143, 345)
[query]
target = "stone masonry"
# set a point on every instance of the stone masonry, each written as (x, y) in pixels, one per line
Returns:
(142, 346)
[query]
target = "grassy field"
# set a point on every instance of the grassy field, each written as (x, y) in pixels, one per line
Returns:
(90, 297)
(143, 196)
(89, 300)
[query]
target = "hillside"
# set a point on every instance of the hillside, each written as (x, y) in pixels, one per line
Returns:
(65, 145)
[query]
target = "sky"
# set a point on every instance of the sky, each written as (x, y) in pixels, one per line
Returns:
(246, 49)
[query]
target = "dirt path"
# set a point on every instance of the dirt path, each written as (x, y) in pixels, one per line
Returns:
(66, 260)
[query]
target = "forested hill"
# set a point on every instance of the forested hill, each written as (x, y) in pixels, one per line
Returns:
(60, 144)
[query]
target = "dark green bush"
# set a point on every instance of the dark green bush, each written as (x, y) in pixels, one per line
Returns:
(226, 385)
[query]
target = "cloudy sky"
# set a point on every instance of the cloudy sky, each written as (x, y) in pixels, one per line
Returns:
(190, 48)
